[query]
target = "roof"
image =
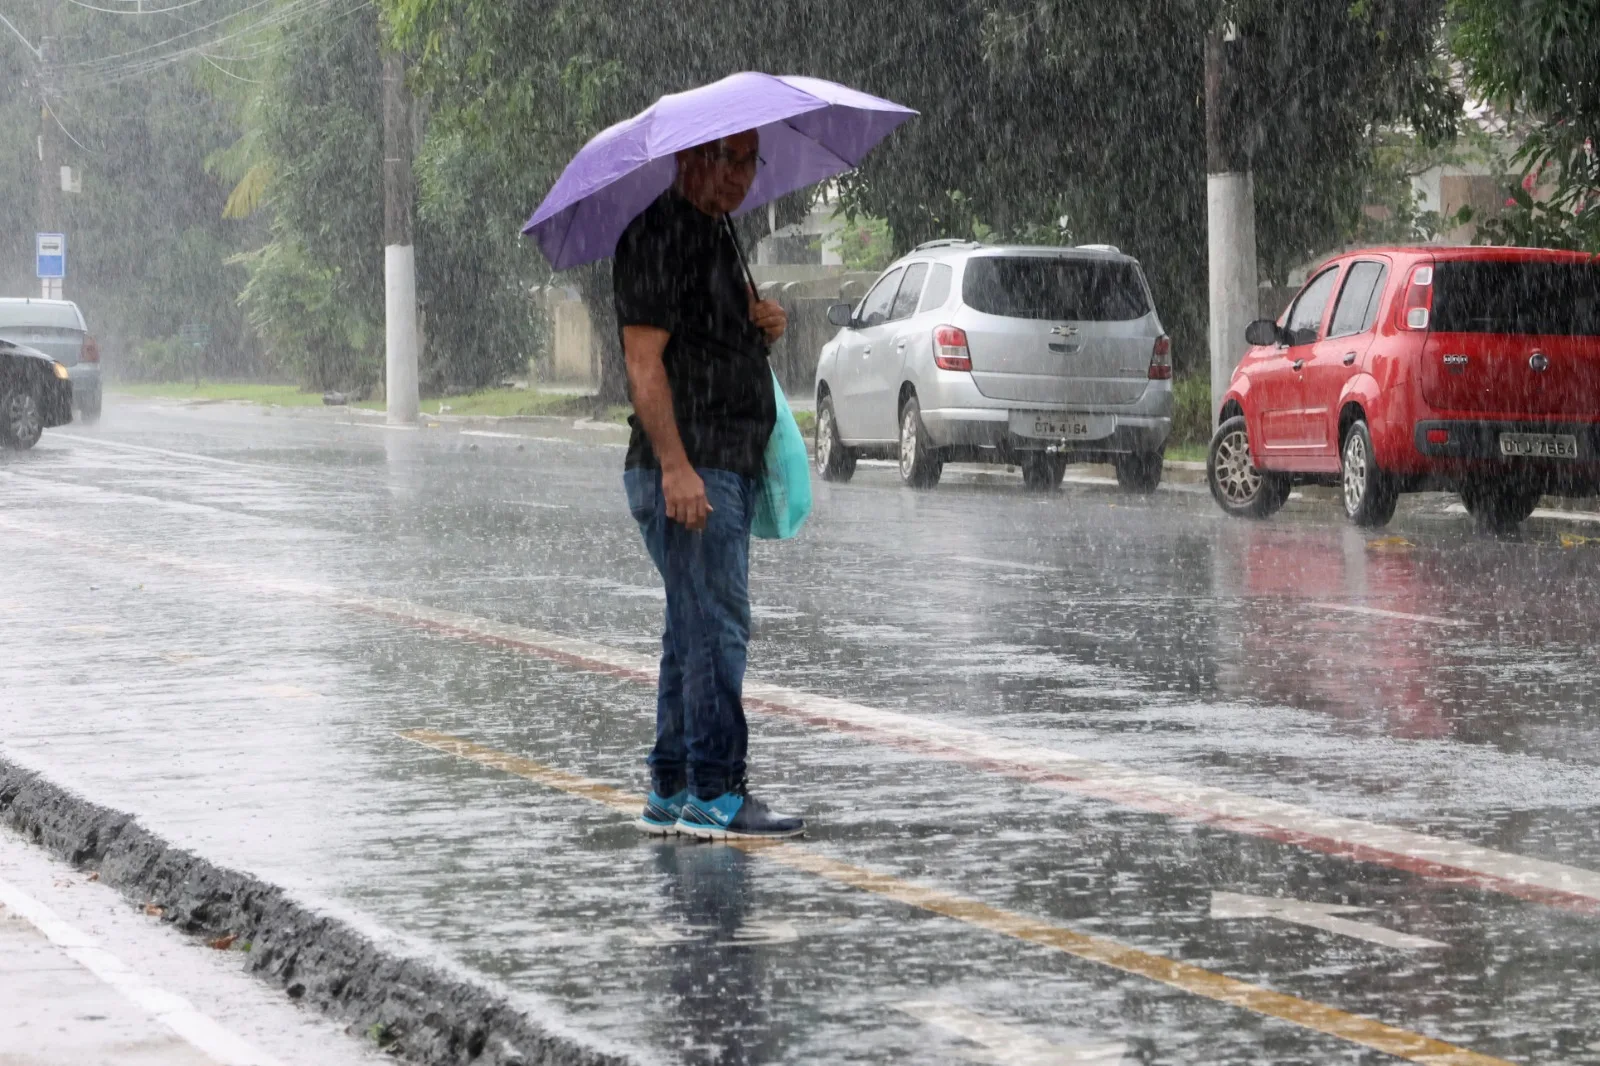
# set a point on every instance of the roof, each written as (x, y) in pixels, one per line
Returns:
(938, 249)
(1488, 252)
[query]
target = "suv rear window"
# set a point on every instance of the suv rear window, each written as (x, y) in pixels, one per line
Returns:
(53, 316)
(1561, 299)
(1081, 290)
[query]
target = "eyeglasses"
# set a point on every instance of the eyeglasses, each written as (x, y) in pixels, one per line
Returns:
(748, 161)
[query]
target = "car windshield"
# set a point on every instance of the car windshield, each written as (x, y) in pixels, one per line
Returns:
(14, 313)
(1081, 290)
(1560, 299)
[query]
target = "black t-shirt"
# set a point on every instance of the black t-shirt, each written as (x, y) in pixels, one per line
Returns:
(677, 269)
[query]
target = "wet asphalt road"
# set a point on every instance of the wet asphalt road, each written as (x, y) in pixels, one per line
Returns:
(1088, 712)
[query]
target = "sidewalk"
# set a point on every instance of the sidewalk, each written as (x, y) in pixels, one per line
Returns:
(87, 978)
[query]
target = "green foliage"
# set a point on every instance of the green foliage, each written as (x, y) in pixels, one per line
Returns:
(146, 240)
(1191, 412)
(297, 305)
(1537, 59)
(864, 244)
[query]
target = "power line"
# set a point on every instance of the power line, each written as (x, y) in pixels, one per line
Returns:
(38, 54)
(104, 71)
(57, 120)
(229, 73)
(106, 61)
(140, 10)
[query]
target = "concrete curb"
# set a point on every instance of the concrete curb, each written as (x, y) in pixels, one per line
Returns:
(421, 1012)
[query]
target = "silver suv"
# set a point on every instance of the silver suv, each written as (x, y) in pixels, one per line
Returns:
(967, 353)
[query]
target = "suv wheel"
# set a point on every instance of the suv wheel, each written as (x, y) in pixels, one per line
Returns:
(1498, 505)
(920, 464)
(1238, 487)
(1140, 471)
(835, 462)
(1370, 494)
(89, 408)
(1042, 472)
(21, 421)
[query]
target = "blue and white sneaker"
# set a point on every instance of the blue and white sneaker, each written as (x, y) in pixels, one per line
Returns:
(660, 815)
(736, 814)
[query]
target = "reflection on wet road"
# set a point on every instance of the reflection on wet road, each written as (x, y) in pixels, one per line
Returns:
(1350, 775)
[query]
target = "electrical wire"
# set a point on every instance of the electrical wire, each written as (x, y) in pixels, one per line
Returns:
(229, 73)
(137, 11)
(101, 62)
(297, 14)
(50, 109)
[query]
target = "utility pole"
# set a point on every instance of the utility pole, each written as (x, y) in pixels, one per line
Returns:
(399, 254)
(1230, 213)
(49, 192)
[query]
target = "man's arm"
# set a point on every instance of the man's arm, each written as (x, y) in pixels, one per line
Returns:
(652, 401)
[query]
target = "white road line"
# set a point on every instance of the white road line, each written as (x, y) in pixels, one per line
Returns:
(173, 1011)
(1005, 1043)
(400, 428)
(974, 560)
(169, 453)
(1376, 612)
(1429, 856)
(494, 433)
(1542, 512)
(1322, 916)
(537, 504)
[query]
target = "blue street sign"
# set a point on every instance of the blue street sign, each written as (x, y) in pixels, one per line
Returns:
(50, 254)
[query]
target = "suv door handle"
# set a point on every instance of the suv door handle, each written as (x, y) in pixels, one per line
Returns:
(900, 347)
(1349, 358)
(1299, 364)
(867, 350)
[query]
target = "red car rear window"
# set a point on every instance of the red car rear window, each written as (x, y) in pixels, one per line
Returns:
(1559, 299)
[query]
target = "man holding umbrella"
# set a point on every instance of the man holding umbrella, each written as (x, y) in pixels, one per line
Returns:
(695, 338)
(657, 190)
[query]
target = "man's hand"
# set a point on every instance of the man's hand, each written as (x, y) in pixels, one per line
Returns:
(686, 496)
(768, 316)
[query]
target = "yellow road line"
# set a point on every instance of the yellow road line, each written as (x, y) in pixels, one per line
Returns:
(1401, 1043)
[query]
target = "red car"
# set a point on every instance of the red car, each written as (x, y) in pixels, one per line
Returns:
(1474, 370)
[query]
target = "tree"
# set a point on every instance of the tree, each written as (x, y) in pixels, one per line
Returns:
(1537, 59)
(1033, 111)
(146, 240)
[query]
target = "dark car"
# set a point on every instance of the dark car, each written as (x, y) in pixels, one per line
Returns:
(35, 394)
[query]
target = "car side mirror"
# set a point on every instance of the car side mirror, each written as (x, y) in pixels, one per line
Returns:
(1264, 331)
(839, 315)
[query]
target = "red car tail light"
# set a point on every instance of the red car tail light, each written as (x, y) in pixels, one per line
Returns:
(1417, 308)
(91, 350)
(1161, 359)
(950, 349)
(1438, 436)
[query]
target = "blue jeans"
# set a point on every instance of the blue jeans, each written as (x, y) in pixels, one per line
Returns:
(701, 735)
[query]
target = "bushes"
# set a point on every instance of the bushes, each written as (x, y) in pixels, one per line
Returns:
(1191, 414)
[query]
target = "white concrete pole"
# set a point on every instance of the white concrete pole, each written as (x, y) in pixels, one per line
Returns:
(1231, 244)
(400, 332)
(1230, 217)
(399, 254)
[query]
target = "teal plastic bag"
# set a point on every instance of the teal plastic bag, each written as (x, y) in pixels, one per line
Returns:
(785, 496)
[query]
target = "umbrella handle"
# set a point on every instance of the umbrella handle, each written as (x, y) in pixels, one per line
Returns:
(750, 279)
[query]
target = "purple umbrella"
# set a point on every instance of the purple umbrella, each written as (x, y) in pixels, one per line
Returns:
(811, 130)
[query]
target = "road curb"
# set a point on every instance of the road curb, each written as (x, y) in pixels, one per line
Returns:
(418, 1011)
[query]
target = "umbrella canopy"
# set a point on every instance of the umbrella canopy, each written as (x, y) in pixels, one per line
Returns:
(811, 130)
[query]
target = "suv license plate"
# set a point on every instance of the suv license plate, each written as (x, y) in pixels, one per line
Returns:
(1539, 445)
(1051, 425)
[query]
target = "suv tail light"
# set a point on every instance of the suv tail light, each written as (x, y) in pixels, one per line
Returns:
(1417, 308)
(950, 349)
(91, 350)
(1161, 359)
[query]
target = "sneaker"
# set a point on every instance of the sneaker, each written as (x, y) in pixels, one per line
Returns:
(660, 815)
(736, 814)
